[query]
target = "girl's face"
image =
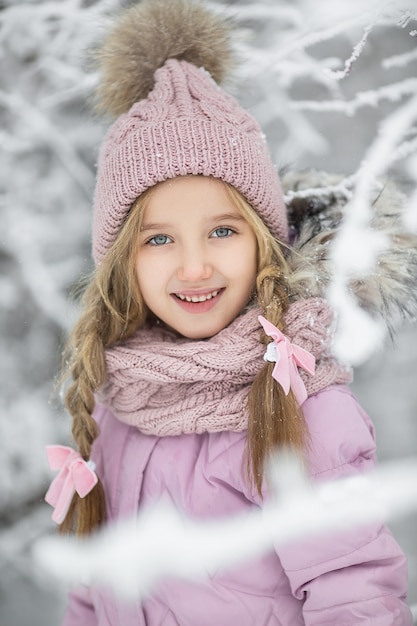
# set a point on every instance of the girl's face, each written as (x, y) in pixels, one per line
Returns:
(197, 258)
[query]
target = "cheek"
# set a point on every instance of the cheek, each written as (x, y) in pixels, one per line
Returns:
(145, 273)
(153, 272)
(246, 270)
(138, 271)
(252, 262)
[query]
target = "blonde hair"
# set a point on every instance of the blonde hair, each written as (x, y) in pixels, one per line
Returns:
(274, 418)
(113, 309)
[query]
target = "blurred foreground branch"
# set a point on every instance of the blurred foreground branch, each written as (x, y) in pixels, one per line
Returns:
(131, 556)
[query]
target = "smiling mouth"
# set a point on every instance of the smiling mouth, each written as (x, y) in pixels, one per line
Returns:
(198, 298)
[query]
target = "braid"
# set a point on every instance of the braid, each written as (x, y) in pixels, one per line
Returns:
(112, 311)
(275, 419)
(272, 294)
(87, 369)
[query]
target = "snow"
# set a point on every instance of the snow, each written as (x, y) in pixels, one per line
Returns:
(359, 335)
(354, 63)
(133, 555)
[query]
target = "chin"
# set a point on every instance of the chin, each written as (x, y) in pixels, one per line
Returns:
(198, 335)
(205, 333)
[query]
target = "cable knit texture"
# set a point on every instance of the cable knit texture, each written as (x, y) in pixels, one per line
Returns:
(186, 125)
(166, 385)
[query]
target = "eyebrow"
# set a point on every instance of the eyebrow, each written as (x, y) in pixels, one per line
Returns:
(155, 226)
(224, 217)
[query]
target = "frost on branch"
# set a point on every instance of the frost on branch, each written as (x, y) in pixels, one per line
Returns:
(325, 55)
(358, 335)
(132, 556)
(46, 182)
(294, 64)
(49, 145)
(290, 52)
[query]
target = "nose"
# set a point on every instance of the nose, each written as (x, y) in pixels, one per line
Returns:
(194, 265)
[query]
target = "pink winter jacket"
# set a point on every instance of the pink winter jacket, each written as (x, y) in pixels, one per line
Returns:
(352, 579)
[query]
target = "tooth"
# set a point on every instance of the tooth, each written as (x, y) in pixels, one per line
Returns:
(202, 298)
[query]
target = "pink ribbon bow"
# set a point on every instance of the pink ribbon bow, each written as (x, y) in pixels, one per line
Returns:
(288, 356)
(76, 475)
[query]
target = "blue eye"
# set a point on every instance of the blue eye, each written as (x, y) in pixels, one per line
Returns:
(159, 240)
(222, 232)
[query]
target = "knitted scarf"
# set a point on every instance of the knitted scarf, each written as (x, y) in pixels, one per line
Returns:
(166, 385)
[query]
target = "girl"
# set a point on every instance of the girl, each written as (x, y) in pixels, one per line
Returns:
(172, 392)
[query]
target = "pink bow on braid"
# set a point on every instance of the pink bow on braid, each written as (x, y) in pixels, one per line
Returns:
(287, 356)
(76, 475)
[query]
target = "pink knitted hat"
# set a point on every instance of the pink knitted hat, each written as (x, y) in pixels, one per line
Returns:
(186, 124)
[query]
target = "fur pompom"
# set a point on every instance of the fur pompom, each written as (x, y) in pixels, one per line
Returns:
(145, 36)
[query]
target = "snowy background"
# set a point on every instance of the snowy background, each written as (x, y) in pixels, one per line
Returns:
(320, 77)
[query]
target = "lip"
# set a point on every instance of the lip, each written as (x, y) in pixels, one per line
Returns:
(198, 307)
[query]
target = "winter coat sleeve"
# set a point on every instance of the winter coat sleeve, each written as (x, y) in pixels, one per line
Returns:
(349, 578)
(80, 609)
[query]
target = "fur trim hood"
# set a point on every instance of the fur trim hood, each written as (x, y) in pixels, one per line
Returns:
(316, 204)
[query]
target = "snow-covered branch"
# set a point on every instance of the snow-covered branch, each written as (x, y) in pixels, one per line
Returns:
(344, 189)
(357, 51)
(391, 93)
(400, 60)
(358, 334)
(404, 150)
(46, 183)
(133, 555)
(288, 54)
(44, 131)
